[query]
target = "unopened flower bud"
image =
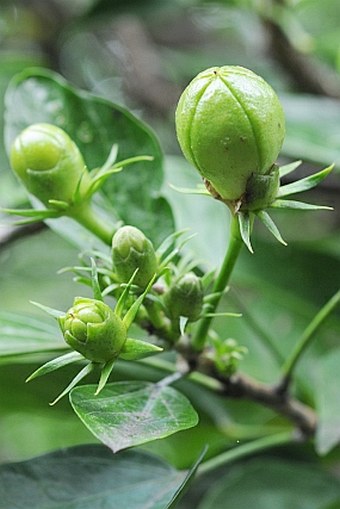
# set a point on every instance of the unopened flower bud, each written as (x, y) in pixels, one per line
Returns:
(185, 298)
(49, 163)
(230, 126)
(91, 328)
(132, 250)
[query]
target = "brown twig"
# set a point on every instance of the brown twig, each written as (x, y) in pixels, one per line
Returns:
(241, 386)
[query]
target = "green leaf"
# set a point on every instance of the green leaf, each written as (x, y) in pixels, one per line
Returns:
(127, 414)
(23, 334)
(39, 95)
(304, 184)
(272, 484)
(135, 349)
(327, 395)
(89, 477)
(187, 480)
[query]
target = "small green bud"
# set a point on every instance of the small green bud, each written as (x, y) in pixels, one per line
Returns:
(93, 329)
(185, 298)
(132, 250)
(49, 163)
(230, 126)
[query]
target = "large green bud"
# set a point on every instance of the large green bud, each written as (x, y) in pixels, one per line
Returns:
(230, 126)
(132, 250)
(185, 298)
(49, 163)
(93, 329)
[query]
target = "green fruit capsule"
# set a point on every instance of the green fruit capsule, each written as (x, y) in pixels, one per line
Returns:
(230, 126)
(49, 163)
(185, 298)
(132, 250)
(92, 328)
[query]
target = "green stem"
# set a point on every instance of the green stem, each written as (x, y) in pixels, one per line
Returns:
(85, 215)
(307, 336)
(221, 282)
(246, 450)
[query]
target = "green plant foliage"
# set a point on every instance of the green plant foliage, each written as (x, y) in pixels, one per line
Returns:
(133, 412)
(24, 334)
(273, 484)
(95, 125)
(90, 476)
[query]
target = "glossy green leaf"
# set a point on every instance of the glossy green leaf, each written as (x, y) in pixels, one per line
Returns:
(95, 124)
(23, 334)
(126, 414)
(327, 395)
(89, 477)
(273, 484)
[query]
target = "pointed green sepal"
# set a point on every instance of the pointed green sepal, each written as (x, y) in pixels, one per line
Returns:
(304, 184)
(104, 375)
(111, 159)
(135, 349)
(131, 314)
(99, 179)
(200, 190)
(36, 215)
(55, 364)
(245, 220)
(169, 241)
(82, 374)
(223, 315)
(289, 168)
(50, 311)
(270, 225)
(297, 205)
(183, 321)
(97, 294)
(119, 308)
(59, 205)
